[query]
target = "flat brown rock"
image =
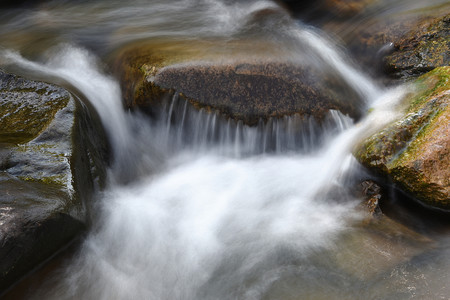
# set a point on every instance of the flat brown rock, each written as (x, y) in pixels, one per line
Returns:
(241, 87)
(250, 92)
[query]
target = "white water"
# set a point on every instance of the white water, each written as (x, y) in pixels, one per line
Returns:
(334, 60)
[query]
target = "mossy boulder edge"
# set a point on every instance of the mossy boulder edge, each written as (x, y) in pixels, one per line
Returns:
(52, 159)
(415, 150)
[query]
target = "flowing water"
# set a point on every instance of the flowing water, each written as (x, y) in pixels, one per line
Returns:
(201, 207)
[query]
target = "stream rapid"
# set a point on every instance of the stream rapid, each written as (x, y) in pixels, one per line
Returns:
(198, 206)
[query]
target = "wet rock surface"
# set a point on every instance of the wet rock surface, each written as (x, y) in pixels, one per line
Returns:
(422, 49)
(402, 43)
(27, 107)
(414, 151)
(372, 194)
(244, 90)
(250, 92)
(51, 160)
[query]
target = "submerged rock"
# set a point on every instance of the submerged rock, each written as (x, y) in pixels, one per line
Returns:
(378, 246)
(415, 150)
(51, 158)
(242, 89)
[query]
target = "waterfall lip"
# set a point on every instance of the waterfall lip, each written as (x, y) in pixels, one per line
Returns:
(248, 91)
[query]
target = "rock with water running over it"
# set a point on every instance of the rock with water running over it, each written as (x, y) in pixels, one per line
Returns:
(243, 89)
(52, 156)
(415, 150)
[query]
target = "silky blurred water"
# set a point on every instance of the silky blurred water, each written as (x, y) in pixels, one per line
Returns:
(201, 207)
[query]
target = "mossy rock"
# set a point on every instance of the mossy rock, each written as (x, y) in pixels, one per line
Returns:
(27, 107)
(52, 158)
(216, 76)
(415, 150)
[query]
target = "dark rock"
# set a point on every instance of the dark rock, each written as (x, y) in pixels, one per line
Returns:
(52, 156)
(415, 150)
(372, 195)
(250, 92)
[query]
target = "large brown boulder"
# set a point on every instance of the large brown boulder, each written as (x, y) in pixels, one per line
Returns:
(246, 89)
(52, 158)
(415, 150)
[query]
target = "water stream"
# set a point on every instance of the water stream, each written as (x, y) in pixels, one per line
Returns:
(211, 208)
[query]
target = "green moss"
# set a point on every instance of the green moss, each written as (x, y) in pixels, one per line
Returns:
(24, 115)
(54, 180)
(430, 84)
(430, 104)
(405, 150)
(411, 152)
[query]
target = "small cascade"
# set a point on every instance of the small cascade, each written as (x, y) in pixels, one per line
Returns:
(331, 59)
(181, 126)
